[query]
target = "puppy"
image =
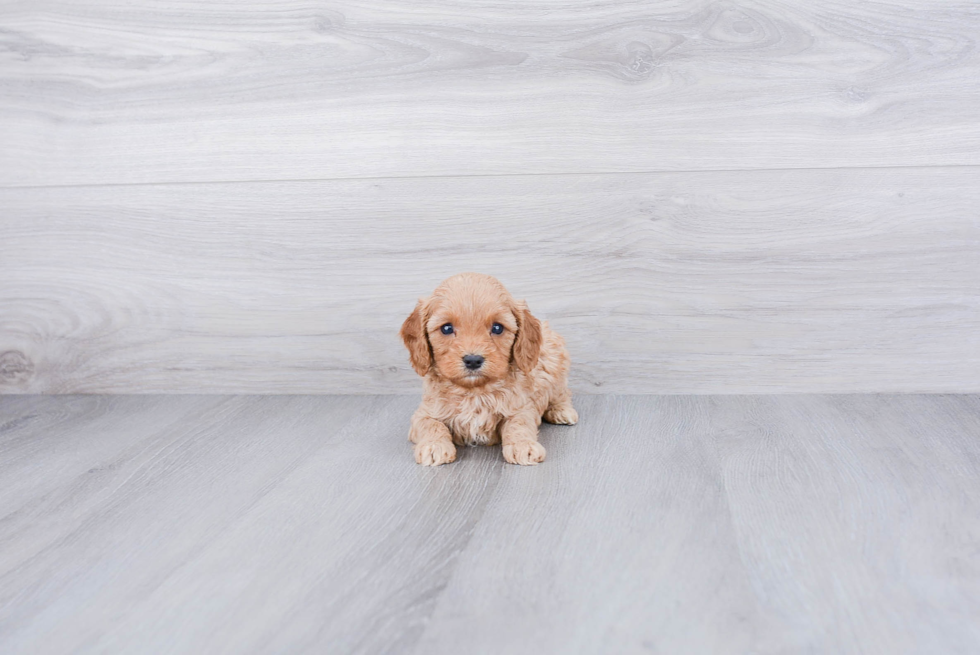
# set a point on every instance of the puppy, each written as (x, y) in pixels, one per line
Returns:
(490, 372)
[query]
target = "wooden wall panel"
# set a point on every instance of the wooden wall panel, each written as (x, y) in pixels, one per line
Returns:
(97, 92)
(818, 280)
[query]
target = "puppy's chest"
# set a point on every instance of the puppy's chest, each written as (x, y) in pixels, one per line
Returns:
(475, 424)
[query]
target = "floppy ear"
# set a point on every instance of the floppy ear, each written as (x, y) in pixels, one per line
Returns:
(416, 340)
(527, 345)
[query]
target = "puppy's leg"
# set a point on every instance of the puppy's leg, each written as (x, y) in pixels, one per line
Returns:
(433, 442)
(560, 410)
(519, 435)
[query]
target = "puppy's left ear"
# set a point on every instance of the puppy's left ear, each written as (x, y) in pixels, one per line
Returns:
(527, 344)
(416, 340)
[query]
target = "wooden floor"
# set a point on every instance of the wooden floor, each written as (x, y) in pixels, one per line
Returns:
(683, 524)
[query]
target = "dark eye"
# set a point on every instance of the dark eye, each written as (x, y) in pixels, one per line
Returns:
(447, 328)
(497, 328)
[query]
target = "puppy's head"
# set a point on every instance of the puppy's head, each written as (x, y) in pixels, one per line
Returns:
(471, 331)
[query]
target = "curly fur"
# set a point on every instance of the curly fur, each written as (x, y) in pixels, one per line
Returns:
(524, 376)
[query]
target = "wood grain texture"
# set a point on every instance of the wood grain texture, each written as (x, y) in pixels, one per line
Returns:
(843, 281)
(96, 92)
(843, 524)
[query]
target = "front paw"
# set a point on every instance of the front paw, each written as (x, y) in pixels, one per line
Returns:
(561, 415)
(434, 453)
(525, 453)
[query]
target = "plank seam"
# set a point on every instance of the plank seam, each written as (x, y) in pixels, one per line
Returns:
(28, 187)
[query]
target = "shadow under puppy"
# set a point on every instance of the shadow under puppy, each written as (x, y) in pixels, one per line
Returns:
(490, 372)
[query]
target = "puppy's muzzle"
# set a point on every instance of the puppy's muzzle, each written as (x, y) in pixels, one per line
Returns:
(473, 362)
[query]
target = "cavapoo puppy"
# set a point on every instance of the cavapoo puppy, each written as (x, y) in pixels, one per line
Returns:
(491, 372)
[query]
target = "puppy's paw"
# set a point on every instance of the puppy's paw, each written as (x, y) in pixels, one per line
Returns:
(561, 415)
(525, 453)
(434, 453)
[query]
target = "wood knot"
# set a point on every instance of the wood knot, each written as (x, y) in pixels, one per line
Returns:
(639, 59)
(15, 367)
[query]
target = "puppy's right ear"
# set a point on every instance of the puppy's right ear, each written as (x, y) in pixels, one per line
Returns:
(416, 340)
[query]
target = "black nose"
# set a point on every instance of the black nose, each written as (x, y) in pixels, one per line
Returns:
(473, 362)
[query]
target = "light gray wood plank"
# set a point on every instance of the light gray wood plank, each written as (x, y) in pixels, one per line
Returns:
(83, 439)
(94, 92)
(100, 538)
(621, 543)
(843, 524)
(733, 524)
(858, 517)
(268, 502)
(347, 554)
(843, 281)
